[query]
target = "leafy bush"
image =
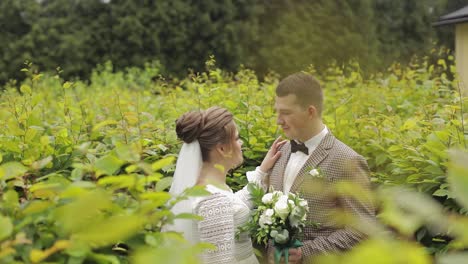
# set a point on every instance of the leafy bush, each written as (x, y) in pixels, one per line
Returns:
(84, 167)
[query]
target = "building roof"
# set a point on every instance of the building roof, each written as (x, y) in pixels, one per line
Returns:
(459, 16)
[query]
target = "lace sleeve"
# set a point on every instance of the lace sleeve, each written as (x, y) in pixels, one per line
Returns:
(217, 228)
(257, 176)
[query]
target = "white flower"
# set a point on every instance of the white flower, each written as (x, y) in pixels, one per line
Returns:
(283, 198)
(269, 212)
(297, 216)
(281, 208)
(303, 203)
(277, 194)
(314, 172)
(266, 218)
(267, 198)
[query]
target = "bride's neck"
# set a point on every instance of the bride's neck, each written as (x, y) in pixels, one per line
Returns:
(212, 174)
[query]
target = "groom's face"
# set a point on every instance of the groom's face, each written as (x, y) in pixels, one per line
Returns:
(292, 117)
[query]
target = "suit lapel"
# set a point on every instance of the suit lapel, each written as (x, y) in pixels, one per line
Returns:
(319, 154)
(278, 172)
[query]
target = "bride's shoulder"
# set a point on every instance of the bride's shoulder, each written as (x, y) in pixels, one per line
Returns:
(217, 196)
(216, 203)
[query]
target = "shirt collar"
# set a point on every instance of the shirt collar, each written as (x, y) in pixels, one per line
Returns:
(313, 142)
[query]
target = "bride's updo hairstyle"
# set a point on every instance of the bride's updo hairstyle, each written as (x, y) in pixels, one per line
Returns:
(210, 127)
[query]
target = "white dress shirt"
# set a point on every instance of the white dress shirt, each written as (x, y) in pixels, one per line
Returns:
(298, 159)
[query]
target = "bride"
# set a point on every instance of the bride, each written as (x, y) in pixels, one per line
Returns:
(211, 148)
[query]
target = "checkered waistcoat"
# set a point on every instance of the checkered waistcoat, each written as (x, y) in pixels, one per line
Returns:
(336, 162)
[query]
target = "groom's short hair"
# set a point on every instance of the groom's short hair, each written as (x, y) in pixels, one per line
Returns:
(306, 88)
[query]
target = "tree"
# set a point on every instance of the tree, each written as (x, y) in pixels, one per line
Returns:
(405, 27)
(79, 34)
(297, 33)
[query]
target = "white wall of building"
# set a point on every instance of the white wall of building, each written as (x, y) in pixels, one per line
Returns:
(461, 54)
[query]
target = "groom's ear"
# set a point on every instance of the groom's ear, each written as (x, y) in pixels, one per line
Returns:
(312, 111)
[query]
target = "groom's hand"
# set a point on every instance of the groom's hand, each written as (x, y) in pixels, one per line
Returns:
(272, 155)
(295, 255)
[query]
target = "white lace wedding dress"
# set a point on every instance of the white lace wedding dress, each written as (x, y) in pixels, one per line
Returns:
(223, 212)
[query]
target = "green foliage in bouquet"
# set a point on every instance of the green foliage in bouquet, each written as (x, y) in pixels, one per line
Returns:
(276, 216)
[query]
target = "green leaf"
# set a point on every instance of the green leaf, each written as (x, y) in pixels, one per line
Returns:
(12, 170)
(120, 181)
(26, 89)
(410, 124)
(37, 165)
(127, 153)
(131, 169)
(158, 255)
(67, 85)
(6, 227)
(103, 259)
(162, 147)
(441, 193)
(36, 207)
(46, 189)
(151, 240)
(77, 189)
(111, 230)
(77, 174)
(109, 164)
(30, 135)
(78, 249)
(256, 192)
(395, 148)
(196, 191)
(158, 198)
(380, 159)
(103, 124)
(163, 184)
(148, 180)
(407, 210)
(11, 199)
(11, 146)
(83, 212)
(174, 250)
(253, 141)
(188, 216)
(413, 178)
(388, 251)
(162, 163)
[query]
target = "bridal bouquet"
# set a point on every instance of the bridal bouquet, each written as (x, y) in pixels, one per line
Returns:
(277, 217)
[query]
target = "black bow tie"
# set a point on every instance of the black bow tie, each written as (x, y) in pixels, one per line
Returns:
(299, 147)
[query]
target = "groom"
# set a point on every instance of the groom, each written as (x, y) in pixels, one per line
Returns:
(311, 164)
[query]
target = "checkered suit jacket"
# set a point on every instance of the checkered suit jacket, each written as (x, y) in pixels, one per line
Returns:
(337, 162)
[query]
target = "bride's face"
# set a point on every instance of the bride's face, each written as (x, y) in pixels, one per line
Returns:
(231, 152)
(237, 150)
